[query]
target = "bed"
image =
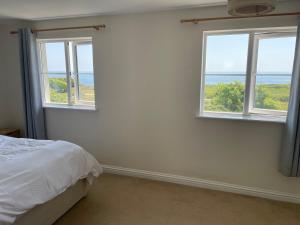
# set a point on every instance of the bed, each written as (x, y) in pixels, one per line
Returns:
(41, 179)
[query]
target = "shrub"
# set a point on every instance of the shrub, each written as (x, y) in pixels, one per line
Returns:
(58, 84)
(270, 103)
(229, 97)
(260, 97)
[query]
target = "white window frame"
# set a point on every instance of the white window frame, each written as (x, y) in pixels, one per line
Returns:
(70, 45)
(249, 112)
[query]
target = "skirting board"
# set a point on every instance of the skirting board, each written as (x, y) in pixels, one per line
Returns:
(201, 183)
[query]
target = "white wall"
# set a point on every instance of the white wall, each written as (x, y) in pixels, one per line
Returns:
(147, 77)
(11, 108)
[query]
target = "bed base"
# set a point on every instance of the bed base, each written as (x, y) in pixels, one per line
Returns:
(49, 212)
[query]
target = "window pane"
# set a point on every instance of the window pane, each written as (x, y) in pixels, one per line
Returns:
(85, 73)
(274, 71)
(225, 72)
(55, 52)
(57, 86)
(54, 73)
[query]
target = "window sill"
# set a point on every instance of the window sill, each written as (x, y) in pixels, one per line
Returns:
(251, 117)
(71, 107)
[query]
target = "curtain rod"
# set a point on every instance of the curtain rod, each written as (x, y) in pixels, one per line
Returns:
(96, 27)
(196, 21)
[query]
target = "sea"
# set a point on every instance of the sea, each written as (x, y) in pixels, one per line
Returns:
(210, 79)
(86, 79)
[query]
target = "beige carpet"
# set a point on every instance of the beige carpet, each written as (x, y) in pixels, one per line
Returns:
(120, 200)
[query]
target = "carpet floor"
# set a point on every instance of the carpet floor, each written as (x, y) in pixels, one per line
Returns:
(121, 200)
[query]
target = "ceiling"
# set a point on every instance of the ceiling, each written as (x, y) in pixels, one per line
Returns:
(48, 9)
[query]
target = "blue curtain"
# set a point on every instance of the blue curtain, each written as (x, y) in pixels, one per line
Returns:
(290, 157)
(33, 108)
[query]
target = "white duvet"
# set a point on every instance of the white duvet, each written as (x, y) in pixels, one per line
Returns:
(34, 171)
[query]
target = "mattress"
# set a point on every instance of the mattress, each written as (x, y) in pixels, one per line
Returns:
(32, 172)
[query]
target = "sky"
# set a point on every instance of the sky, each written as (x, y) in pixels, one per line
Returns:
(56, 57)
(225, 54)
(228, 54)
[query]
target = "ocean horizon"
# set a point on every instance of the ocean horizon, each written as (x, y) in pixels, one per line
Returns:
(210, 78)
(266, 78)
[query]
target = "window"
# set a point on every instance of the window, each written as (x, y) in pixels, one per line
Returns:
(67, 74)
(247, 74)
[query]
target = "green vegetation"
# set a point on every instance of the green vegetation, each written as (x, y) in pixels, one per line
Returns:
(230, 97)
(272, 96)
(219, 98)
(58, 84)
(58, 91)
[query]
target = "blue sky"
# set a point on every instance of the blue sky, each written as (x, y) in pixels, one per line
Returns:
(225, 54)
(228, 53)
(56, 57)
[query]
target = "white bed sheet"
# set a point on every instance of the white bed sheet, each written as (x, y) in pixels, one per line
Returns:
(33, 172)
